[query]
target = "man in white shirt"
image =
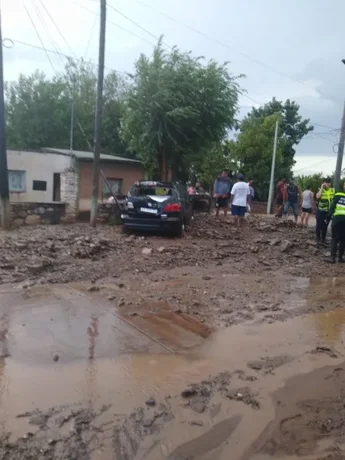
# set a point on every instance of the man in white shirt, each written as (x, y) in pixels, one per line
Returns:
(240, 194)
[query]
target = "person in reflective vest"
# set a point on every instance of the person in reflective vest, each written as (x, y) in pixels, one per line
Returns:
(324, 199)
(337, 214)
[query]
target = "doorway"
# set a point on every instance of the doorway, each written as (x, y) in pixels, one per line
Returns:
(57, 187)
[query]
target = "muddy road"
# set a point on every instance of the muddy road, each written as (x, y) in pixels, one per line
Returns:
(223, 345)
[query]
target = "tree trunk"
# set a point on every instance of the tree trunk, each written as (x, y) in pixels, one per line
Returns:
(164, 166)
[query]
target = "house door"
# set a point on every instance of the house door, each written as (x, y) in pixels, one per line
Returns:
(57, 187)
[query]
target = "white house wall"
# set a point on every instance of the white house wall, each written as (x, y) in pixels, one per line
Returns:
(38, 167)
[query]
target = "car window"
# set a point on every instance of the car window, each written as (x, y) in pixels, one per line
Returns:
(153, 190)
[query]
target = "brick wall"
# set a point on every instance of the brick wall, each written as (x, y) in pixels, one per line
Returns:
(127, 172)
(259, 207)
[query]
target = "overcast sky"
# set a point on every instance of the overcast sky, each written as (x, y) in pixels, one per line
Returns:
(286, 49)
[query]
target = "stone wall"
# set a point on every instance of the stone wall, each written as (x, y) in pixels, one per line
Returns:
(109, 213)
(70, 192)
(36, 213)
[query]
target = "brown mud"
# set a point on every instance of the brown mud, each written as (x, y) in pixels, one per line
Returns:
(60, 254)
(222, 346)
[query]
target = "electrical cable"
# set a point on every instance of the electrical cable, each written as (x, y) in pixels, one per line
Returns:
(90, 36)
(116, 25)
(314, 164)
(38, 35)
(138, 25)
(219, 42)
(47, 50)
(55, 25)
(46, 27)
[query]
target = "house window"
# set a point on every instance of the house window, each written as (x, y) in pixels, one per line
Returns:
(16, 181)
(115, 184)
(40, 185)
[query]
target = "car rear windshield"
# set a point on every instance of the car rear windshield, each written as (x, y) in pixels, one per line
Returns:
(144, 189)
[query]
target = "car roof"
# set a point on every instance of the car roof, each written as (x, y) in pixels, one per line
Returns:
(155, 183)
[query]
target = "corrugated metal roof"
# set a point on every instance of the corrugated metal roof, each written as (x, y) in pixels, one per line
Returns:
(80, 155)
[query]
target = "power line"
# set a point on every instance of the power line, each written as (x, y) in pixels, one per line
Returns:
(47, 50)
(138, 25)
(116, 25)
(39, 37)
(56, 26)
(45, 26)
(90, 37)
(314, 164)
(219, 42)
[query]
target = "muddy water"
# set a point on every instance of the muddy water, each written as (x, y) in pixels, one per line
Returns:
(61, 347)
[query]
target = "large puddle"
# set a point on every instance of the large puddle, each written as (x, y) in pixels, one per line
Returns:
(61, 346)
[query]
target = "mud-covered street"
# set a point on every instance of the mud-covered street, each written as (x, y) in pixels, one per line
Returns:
(225, 344)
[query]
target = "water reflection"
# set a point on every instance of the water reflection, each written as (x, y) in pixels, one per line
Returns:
(330, 325)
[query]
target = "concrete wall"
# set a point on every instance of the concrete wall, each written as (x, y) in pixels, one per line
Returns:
(127, 172)
(38, 166)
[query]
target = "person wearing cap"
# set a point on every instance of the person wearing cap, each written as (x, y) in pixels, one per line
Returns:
(240, 194)
(324, 199)
(293, 198)
(337, 214)
(221, 188)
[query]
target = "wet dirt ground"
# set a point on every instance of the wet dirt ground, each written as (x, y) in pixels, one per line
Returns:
(214, 347)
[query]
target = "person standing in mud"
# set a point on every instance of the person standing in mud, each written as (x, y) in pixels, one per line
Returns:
(280, 197)
(240, 195)
(292, 200)
(337, 212)
(324, 199)
(307, 205)
(221, 188)
(252, 194)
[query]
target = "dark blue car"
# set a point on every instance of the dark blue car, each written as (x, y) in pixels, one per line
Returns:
(158, 206)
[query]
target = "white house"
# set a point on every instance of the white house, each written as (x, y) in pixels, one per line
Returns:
(35, 176)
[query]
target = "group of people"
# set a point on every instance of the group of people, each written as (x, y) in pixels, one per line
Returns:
(241, 195)
(330, 205)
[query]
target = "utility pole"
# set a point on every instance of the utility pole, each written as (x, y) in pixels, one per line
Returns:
(71, 138)
(270, 194)
(340, 153)
(4, 190)
(98, 115)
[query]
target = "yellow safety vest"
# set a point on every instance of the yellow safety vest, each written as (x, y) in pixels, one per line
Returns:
(340, 206)
(326, 199)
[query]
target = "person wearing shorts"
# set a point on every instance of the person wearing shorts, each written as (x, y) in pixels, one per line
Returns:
(240, 195)
(293, 196)
(221, 188)
(307, 205)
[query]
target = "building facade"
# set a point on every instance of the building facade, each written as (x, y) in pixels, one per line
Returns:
(55, 175)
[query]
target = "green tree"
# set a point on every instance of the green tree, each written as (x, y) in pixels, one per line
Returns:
(215, 160)
(176, 109)
(292, 128)
(253, 151)
(38, 110)
(314, 181)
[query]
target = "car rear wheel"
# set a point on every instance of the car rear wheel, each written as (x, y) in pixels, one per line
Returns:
(181, 230)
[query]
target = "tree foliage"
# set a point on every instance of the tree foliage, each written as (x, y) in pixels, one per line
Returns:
(177, 108)
(38, 110)
(253, 150)
(314, 181)
(292, 128)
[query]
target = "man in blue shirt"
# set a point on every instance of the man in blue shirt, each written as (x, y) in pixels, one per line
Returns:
(222, 187)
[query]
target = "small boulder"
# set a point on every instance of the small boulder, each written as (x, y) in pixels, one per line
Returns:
(286, 245)
(151, 402)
